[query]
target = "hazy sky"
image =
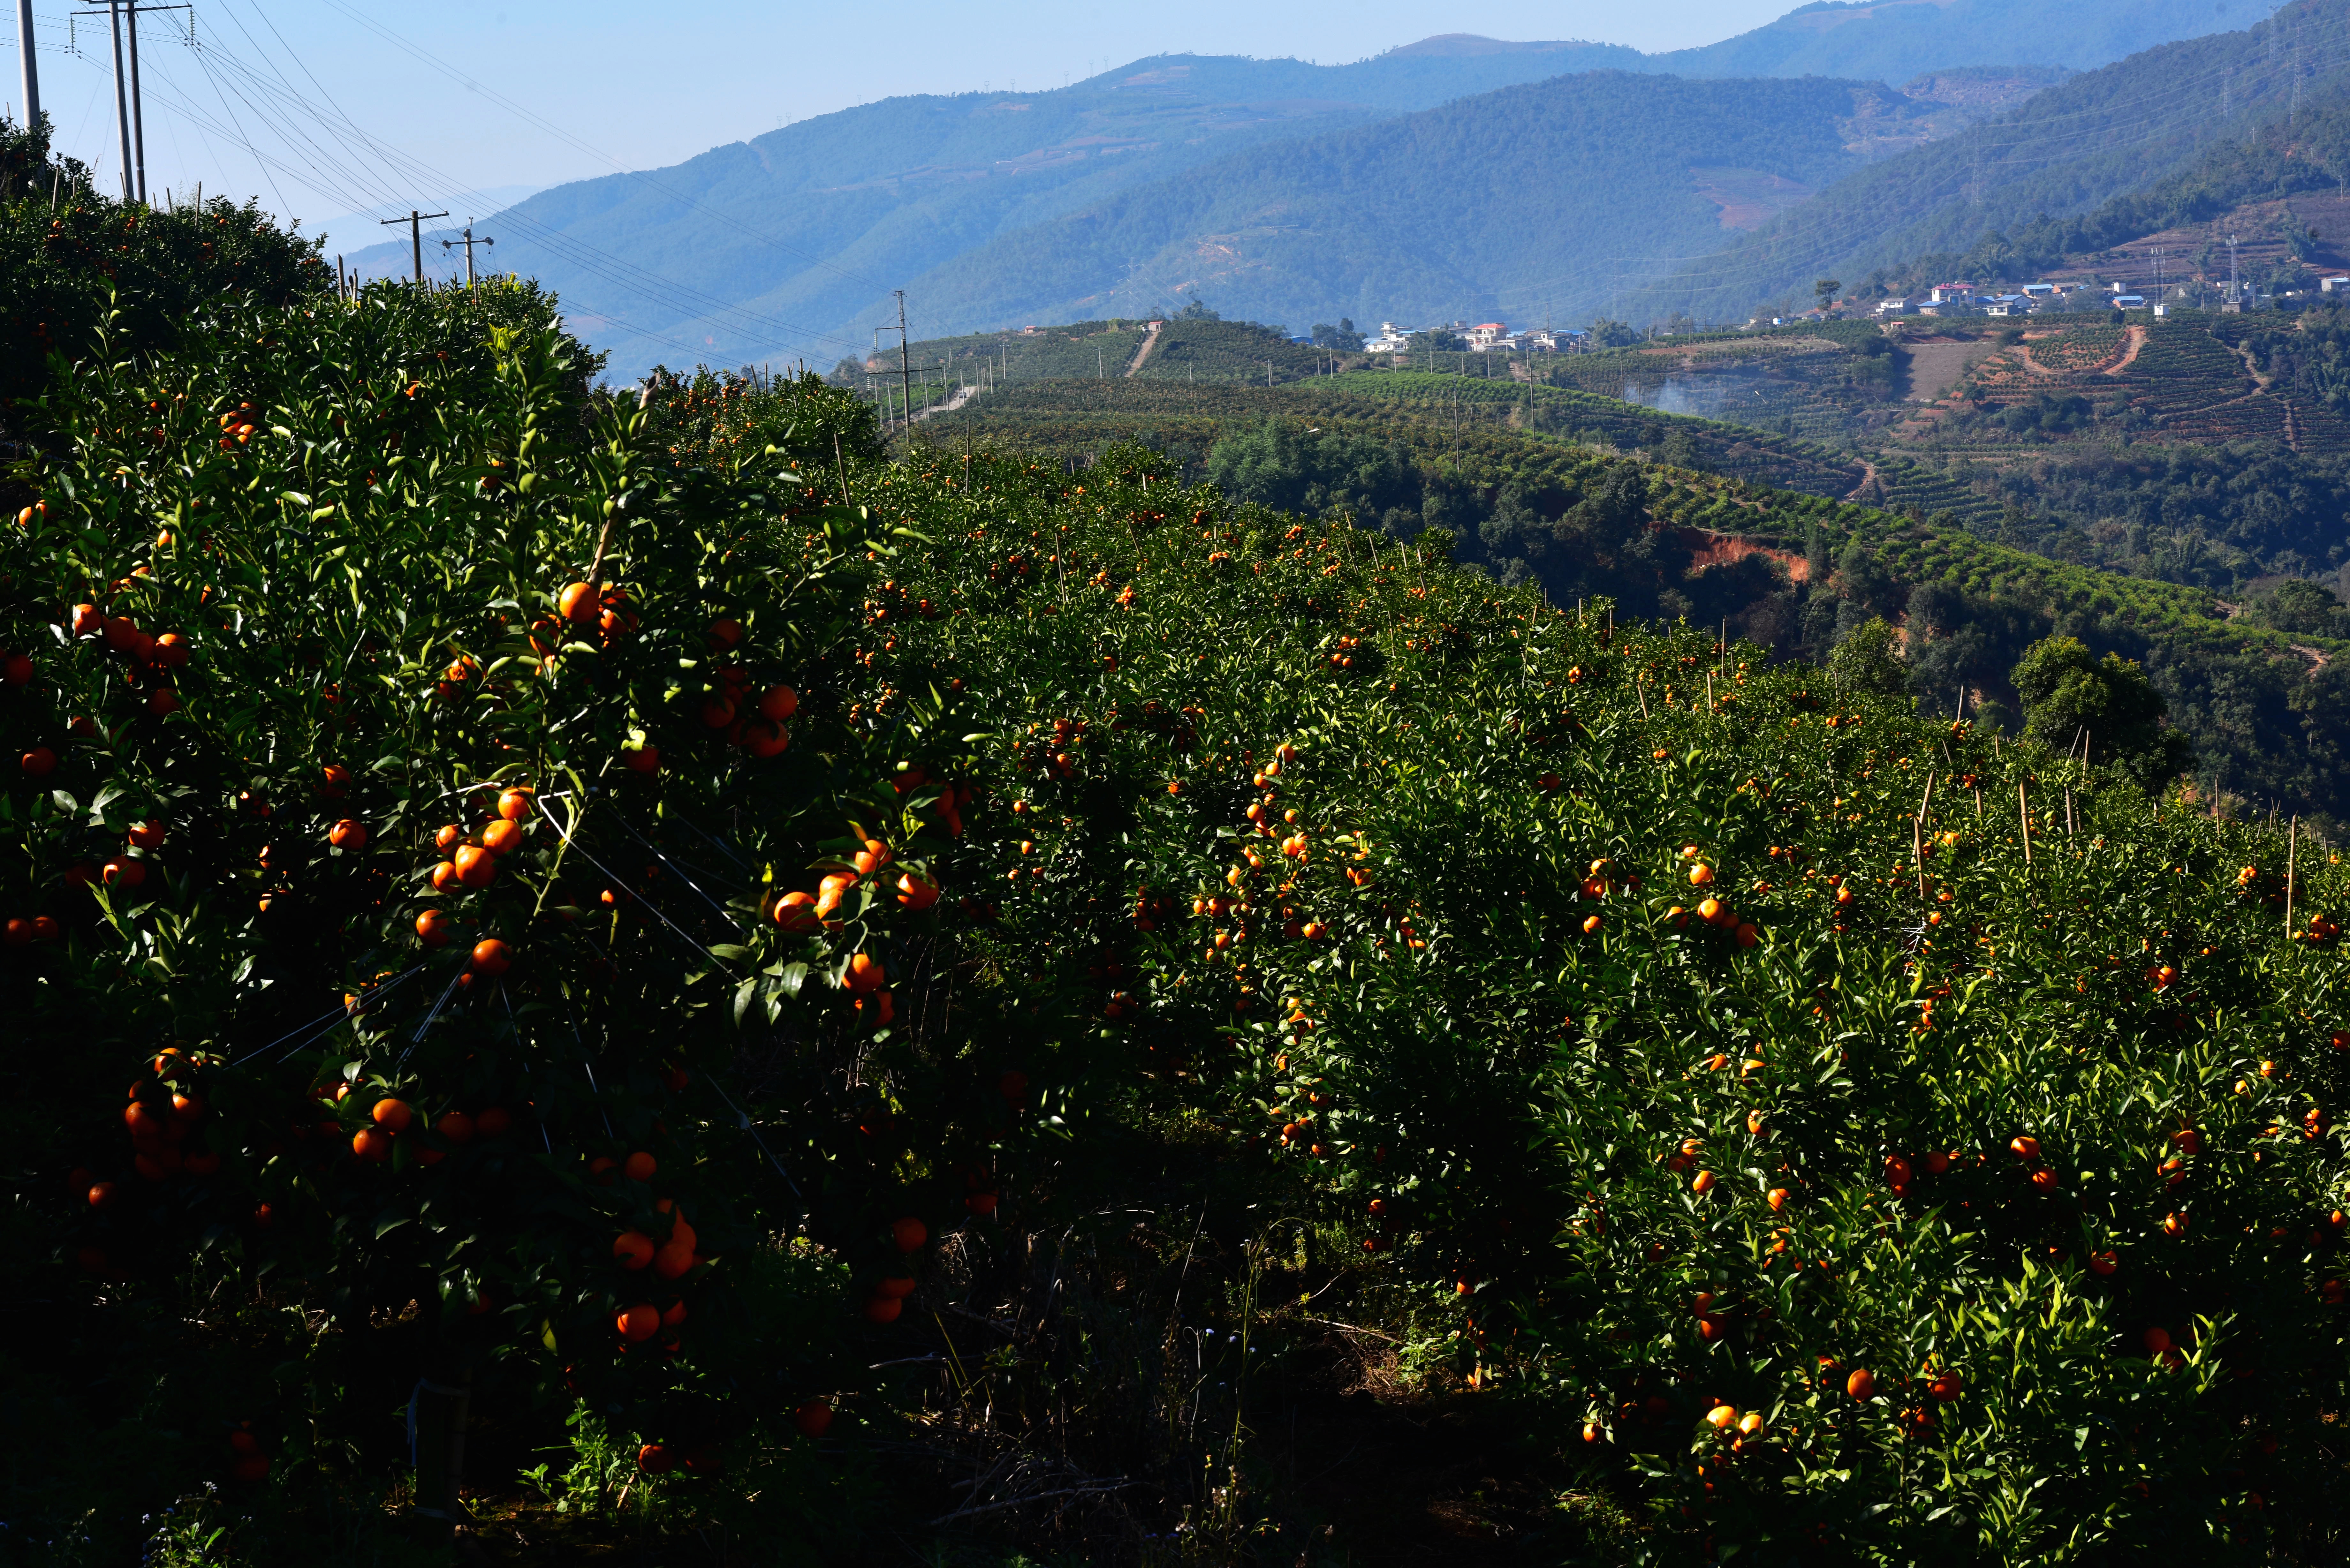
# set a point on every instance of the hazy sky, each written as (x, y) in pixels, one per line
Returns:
(457, 105)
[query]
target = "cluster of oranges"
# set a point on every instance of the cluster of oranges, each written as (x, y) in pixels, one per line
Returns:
(472, 866)
(671, 1258)
(891, 1291)
(164, 1111)
(391, 1119)
(1711, 908)
(236, 427)
(750, 719)
(151, 657)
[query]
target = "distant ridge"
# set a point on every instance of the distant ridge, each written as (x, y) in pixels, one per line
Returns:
(789, 243)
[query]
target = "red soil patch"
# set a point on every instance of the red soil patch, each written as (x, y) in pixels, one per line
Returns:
(1709, 549)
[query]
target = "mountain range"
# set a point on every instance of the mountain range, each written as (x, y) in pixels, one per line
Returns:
(1455, 176)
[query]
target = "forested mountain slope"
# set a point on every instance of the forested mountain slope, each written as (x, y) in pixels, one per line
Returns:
(744, 251)
(2102, 135)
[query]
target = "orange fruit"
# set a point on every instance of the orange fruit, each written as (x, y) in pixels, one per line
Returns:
(146, 835)
(909, 1233)
(513, 805)
(639, 1167)
(348, 834)
(724, 633)
(2024, 1147)
(39, 763)
(372, 1144)
(642, 759)
(633, 1248)
(2156, 1340)
(449, 836)
(491, 957)
(1947, 1386)
(917, 892)
(503, 837)
(392, 1115)
(493, 1122)
(813, 1418)
(476, 868)
(454, 1125)
(336, 780)
(579, 601)
(795, 913)
(864, 973)
(1861, 1384)
(674, 1259)
(434, 928)
(123, 873)
(871, 858)
(778, 702)
(637, 1322)
(444, 876)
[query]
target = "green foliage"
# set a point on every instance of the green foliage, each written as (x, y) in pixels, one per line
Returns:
(2072, 699)
(72, 260)
(1864, 661)
(2299, 605)
(1293, 468)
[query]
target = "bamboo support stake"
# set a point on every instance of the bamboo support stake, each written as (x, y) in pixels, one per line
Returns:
(2023, 814)
(1640, 689)
(1918, 834)
(2292, 846)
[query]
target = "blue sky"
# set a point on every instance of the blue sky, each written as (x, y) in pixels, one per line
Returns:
(466, 106)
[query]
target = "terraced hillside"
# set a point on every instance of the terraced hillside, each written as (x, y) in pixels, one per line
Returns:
(2174, 381)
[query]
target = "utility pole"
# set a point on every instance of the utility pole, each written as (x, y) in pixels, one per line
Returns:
(32, 71)
(130, 120)
(2233, 296)
(469, 242)
(415, 221)
(905, 360)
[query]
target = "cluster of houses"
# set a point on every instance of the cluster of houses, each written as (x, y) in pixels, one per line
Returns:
(1484, 338)
(2034, 298)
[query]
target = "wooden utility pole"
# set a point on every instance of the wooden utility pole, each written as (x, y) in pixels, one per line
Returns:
(469, 242)
(415, 221)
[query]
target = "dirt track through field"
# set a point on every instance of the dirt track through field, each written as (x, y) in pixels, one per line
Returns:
(1150, 341)
(2130, 353)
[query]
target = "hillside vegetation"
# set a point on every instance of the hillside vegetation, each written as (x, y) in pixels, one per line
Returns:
(784, 1002)
(2135, 136)
(1586, 495)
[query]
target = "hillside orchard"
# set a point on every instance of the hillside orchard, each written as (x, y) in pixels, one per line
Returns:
(539, 908)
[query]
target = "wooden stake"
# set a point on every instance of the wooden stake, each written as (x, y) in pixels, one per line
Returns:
(1918, 834)
(2023, 814)
(2292, 846)
(1640, 689)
